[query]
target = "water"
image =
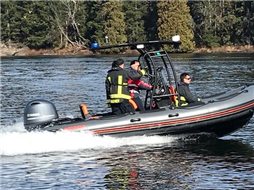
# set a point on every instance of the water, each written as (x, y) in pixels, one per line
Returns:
(81, 160)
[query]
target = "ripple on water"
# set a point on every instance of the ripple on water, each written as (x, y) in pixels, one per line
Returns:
(85, 161)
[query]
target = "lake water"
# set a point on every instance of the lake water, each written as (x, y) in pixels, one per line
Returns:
(81, 160)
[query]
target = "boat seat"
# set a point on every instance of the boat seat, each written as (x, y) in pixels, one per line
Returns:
(163, 102)
(165, 99)
(84, 111)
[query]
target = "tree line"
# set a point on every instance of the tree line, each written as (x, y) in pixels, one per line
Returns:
(50, 24)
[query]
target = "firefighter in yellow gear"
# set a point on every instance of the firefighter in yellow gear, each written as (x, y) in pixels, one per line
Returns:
(117, 91)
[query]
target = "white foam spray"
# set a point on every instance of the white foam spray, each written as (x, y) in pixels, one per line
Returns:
(15, 140)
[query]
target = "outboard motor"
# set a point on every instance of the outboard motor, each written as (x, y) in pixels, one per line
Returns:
(38, 114)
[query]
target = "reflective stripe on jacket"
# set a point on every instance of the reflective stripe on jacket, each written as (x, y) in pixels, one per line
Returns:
(117, 84)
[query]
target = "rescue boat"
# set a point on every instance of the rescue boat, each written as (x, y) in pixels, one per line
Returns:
(220, 115)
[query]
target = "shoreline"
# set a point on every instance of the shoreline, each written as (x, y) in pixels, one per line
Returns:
(72, 51)
(226, 49)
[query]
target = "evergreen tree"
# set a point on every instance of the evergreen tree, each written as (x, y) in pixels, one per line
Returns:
(151, 20)
(204, 14)
(174, 19)
(37, 25)
(10, 22)
(224, 22)
(46, 24)
(198, 18)
(227, 22)
(114, 25)
(237, 27)
(94, 23)
(26, 22)
(134, 20)
(248, 23)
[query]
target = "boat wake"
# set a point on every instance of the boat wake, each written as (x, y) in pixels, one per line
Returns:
(15, 140)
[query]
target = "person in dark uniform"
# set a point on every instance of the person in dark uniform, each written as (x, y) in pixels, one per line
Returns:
(117, 91)
(186, 97)
(136, 85)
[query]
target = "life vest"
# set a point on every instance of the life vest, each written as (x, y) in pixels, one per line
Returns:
(174, 98)
(117, 84)
(183, 101)
(118, 90)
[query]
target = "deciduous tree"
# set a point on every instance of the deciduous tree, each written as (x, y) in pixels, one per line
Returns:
(65, 13)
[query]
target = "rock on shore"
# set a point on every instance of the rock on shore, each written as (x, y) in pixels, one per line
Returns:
(15, 50)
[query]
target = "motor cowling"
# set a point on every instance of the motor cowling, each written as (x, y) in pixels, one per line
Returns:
(39, 113)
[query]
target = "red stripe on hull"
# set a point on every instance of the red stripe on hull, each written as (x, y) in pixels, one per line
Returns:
(210, 116)
(74, 127)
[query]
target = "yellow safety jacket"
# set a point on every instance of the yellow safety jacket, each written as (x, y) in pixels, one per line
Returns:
(117, 84)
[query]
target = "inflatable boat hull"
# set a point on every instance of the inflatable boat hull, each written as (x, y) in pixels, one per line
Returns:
(220, 115)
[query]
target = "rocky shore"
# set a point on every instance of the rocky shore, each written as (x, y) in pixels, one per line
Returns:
(14, 50)
(226, 49)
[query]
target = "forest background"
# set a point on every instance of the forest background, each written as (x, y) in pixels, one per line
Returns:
(70, 26)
